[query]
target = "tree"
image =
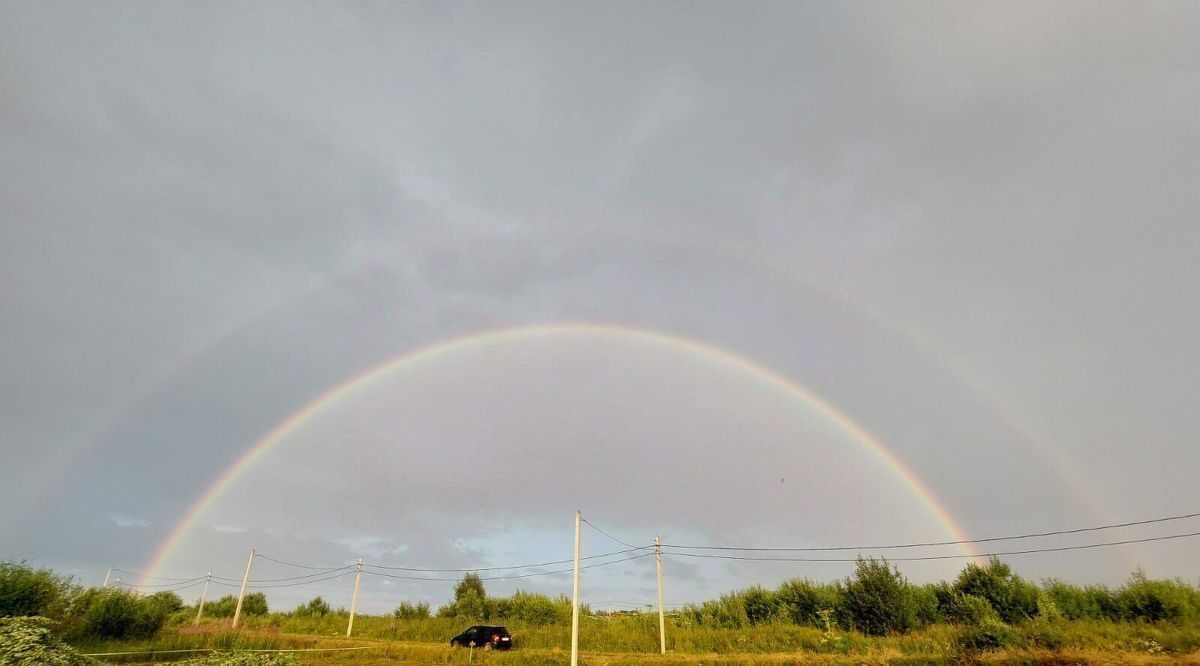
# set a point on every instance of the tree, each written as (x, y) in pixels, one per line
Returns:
(24, 591)
(877, 599)
(470, 599)
(255, 604)
(316, 607)
(1013, 598)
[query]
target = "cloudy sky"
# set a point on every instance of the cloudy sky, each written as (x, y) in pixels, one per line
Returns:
(779, 232)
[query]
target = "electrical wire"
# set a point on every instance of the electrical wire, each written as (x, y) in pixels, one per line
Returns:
(298, 566)
(593, 526)
(141, 576)
(525, 575)
(505, 568)
(252, 585)
(942, 543)
(163, 585)
(346, 569)
(164, 588)
(938, 557)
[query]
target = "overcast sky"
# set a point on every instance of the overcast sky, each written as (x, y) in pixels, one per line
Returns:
(970, 227)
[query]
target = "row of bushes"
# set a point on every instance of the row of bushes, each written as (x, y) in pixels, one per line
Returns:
(80, 612)
(875, 600)
(878, 600)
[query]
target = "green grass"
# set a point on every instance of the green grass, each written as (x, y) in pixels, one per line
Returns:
(634, 640)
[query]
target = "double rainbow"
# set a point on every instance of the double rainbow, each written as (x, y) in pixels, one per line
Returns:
(495, 338)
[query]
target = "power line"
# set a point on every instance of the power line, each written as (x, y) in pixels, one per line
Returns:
(515, 566)
(525, 575)
(251, 584)
(171, 587)
(607, 534)
(298, 566)
(941, 543)
(346, 569)
(142, 576)
(937, 557)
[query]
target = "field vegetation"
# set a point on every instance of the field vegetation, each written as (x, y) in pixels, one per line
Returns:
(876, 615)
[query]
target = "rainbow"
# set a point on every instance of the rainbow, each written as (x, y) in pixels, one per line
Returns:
(440, 350)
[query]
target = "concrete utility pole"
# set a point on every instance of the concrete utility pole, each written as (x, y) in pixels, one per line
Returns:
(237, 612)
(575, 598)
(106, 575)
(354, 599)
(662, 622)
(203, 595)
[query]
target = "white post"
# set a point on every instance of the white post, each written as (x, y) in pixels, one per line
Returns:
(575, 598)
(354, 599)
(203, 594)
(106, 575)
(237, 612)
(662, 623)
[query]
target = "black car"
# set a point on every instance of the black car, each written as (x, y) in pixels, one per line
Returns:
(485, 637)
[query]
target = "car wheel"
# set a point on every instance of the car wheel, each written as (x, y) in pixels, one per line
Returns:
(454, 643)
(487, 646)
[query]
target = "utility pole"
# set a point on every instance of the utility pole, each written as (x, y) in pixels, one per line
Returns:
(354, 599)
(203, 594)
(662, 623)
(237, 612)
(575, 598)
(106, 575)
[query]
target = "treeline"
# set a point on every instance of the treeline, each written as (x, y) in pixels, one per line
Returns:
(79, 612)
(472, 603)
(877, 599)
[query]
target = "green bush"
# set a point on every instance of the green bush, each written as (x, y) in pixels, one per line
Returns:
(28, 641)
(1093, 602)
(991, 634)
(1157, 600)
(1014, 598)
(726, 612)
(877, 600)
(760, 605)
(470, 600)
(407, 611)
(255, 603)
(801, 601)
(316, 607)
(25, 591)
(970, 609)
(114, 613)
(927, 605)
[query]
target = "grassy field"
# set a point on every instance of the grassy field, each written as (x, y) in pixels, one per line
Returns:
(623, 642)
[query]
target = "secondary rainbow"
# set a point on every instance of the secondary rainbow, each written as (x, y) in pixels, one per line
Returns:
(442, 349)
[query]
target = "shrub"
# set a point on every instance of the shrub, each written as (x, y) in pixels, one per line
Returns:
(536, 609)
(25, 591)
(1013, 597)
(970, 609)
(801, 601)
(991, 634)
(727, 612)
(113, 613)
(1094, 602)
(877, 599)
(27, 641)
(1157, 600)
(407, 611)
(927, 605)
(760, 605)
(316, 607)
(255, 603)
